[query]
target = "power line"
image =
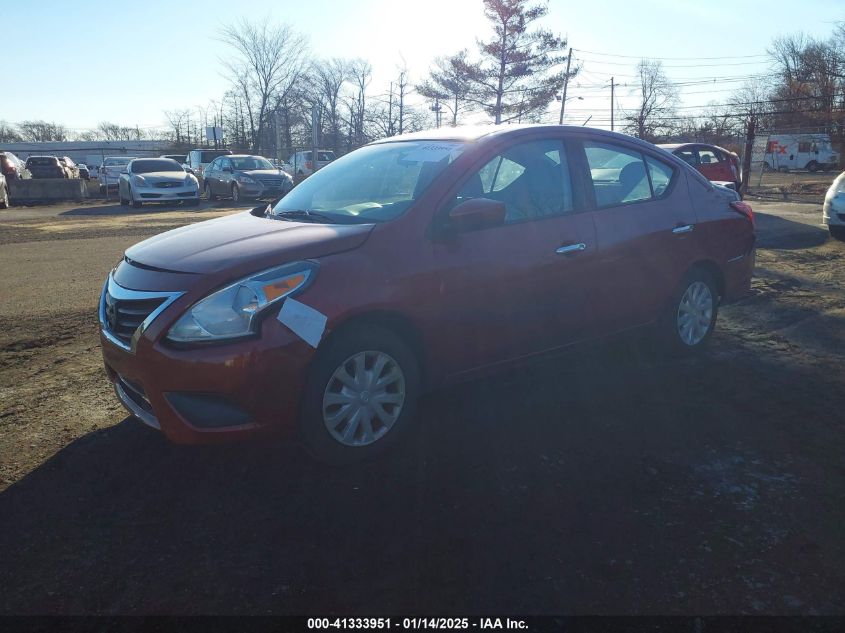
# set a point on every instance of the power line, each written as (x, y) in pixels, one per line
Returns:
(581, 50)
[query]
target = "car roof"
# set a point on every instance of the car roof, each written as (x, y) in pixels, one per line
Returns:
(673, 146)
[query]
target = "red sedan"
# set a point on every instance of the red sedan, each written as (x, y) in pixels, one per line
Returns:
(410, 263)
(716, 163)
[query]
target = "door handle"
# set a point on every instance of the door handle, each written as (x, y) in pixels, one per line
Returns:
(572, 248)
(686, 228)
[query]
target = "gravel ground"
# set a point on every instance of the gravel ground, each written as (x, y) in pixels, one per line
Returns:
(607, 481)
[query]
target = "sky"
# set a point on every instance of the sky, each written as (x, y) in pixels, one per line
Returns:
(128, 62)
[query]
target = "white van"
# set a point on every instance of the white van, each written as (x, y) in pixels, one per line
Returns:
(784, 152)
(301, 161)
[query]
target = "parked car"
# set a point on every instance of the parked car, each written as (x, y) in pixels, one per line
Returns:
(12, 167)
(283, 165)
(111, 169)
(411, 263)
(83, 171)
(833, 210)
(46, 167)
(179, 158)
(70, 167)
(199, 159)
(716, 163)
(4, 192)
(302, 164)
(784, 152)
(156, 180)
(244, 176)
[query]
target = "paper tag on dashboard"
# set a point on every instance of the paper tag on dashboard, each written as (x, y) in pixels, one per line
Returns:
(304, 321)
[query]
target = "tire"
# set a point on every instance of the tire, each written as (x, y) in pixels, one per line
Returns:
(687, 330)
(359, 347)
(208, 193)
(236, 193)
(812, 166)
(193, 203)
(136, 204)
(4, 198)
(837, 232)
(766, 166)
(123, 201)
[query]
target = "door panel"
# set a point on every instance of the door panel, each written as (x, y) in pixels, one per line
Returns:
(644, 245)
(505, 292)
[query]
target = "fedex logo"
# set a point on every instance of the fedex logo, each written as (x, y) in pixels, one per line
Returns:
(775, 148)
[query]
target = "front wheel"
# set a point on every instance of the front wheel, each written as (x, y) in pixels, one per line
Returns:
(209, 194)
(360, 397)
(236, 193)
(4, 198)
(836, 232)
(812, 166)
(136, 204)
(690, 319)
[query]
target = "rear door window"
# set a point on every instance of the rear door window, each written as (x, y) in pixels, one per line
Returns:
(619, 175)
(708, 156)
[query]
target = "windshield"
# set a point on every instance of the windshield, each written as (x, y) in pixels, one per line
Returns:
(209, 155)
(251, 162)
(375, 183)
(146, 166)
(113, 162)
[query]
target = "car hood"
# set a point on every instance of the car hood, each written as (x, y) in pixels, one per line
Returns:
(243, 240)
(261, 172)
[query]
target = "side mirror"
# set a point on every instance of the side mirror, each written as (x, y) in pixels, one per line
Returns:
(124, 173)
(477, 213)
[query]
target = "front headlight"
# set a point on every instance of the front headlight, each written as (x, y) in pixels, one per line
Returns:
(247, 180)
(233, 311)
(191, 180)
(139, 181)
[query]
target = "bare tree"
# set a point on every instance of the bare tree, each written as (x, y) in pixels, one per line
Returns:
(448, 83)
(657, 98)
(360, 75)
(329, 77)
(8, 133)
(515, 74)
(40, 131)
(269, 59)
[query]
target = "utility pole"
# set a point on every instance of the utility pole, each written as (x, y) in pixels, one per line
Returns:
(390, 112)
(612, 99)
(402, 85)
(749, 147)
(565, 84)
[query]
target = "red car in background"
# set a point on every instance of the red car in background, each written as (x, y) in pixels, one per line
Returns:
(715, 163)
(414, 262)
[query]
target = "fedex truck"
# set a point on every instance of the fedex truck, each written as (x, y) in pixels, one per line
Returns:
(785, 152)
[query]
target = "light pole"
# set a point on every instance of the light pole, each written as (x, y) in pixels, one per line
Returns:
(563, 99)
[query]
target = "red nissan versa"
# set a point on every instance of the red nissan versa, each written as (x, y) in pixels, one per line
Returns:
(717, 164)
(412, 262)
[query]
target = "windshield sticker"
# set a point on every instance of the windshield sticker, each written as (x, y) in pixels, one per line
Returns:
(433, 152)
(304, 321)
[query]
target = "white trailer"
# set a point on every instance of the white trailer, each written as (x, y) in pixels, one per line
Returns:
(785, 152)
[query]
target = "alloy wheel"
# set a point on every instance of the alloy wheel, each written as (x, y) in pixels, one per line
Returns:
(363, 398)
(695, 313)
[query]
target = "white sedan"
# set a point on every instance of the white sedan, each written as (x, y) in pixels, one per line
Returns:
(833, 211)
(157, 180)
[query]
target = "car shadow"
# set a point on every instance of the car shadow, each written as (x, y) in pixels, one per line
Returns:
(118, 209)
(779, 233)
(582, 484)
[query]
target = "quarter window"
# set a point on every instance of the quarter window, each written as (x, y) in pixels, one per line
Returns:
(619, 175)
(660, 174)
(532, 179)
(708, 157)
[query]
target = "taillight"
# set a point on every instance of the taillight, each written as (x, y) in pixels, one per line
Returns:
(744, 208)
(307, 164)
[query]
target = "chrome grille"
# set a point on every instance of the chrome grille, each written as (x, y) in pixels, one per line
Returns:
(271, 181)
(165, 185)
(125, 312)
(124, 317)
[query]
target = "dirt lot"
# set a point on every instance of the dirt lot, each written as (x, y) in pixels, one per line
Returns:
(607, 481)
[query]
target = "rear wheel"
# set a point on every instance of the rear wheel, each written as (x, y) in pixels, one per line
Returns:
(4, 198)
(360, 397)
(688, 323)
(812, 166)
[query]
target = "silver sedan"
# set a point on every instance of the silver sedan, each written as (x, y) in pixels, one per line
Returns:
(157, 180)
(833, 211)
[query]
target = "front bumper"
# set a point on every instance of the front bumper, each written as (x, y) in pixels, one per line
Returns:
(833, 210)
(161, 194)
(209, 393)
(258, 191)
